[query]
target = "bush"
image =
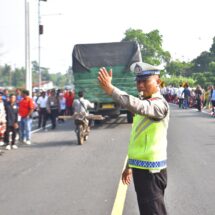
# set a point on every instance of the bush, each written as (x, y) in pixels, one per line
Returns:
(177, 80)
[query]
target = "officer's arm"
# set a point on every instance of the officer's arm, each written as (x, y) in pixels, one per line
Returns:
(155, 108)
(105, 79)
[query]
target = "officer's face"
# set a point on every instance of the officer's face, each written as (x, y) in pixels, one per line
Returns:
(149, 86)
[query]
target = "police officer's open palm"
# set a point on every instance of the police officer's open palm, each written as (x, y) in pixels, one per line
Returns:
(105, 79)
(127, 176)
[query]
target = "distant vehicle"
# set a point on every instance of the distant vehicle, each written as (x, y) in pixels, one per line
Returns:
(88, 58)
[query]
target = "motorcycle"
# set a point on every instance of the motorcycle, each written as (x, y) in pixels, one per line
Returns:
(82, 127)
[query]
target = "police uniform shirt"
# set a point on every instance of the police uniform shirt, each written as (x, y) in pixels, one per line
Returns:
(155, 107)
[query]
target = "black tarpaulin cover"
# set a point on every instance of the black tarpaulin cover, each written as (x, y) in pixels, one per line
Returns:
(86, 56)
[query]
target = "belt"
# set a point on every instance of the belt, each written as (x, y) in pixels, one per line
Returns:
(152, 171)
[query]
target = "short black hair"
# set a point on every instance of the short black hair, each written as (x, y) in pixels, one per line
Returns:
(12, 94)
(26, 92)
(80, 93)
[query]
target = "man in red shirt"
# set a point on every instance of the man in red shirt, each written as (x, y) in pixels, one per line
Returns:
(26, 108)
(69, 102)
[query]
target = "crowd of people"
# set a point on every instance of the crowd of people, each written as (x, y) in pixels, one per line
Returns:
(187, 97)
(17, 110)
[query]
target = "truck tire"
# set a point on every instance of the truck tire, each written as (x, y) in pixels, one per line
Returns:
(129, 117)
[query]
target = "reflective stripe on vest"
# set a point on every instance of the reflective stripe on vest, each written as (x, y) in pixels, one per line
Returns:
(148, 143)
(147, 164)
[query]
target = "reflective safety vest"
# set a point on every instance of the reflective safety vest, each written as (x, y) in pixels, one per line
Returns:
(148, 143)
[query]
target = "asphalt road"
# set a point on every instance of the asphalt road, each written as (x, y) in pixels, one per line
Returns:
(56, 176)
(191, 154)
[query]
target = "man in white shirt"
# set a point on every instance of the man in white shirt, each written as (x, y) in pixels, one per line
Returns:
(82, 105)
(180, 96)
(42, 105)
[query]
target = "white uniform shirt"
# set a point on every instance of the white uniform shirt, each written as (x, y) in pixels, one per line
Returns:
(156, 108)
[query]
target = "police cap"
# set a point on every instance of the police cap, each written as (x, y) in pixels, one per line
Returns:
(144, 70)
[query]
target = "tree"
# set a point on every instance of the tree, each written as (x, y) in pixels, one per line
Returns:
(6, 74)
(178, 68)
(18, 78)
(212, 49)
(45, 76)
(204, 79)
(201, 63)
(212, 67)
(150, 45)
(177, 80)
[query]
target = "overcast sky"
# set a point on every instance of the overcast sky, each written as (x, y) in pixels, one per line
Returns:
(187, 27)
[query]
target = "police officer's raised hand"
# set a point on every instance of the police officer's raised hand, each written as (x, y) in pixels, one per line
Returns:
(105, 79)
(127, 176)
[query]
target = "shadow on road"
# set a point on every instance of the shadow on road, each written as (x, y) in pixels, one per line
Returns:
(55, 144)
(110, 123)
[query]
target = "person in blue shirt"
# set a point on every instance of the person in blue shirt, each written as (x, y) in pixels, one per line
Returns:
(186, 94)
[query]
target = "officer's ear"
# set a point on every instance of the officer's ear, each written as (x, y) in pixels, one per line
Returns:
(158, 81)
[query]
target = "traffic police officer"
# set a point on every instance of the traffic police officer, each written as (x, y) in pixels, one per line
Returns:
(147, 150)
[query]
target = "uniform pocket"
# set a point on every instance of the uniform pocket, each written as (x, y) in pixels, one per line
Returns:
(161, 179)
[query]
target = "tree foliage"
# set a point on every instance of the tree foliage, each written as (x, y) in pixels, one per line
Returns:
(150, 45)
(178, 68)
(16, 77)
(200, 70)
(177, 80)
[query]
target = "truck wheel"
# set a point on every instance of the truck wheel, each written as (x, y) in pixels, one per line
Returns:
(129, 117)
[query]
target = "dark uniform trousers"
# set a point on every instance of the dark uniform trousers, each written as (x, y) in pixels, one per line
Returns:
(53, 116)
(150, 191)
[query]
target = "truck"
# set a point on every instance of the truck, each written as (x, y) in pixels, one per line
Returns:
(87, 59)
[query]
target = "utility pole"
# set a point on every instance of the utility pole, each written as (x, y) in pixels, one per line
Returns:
(39, 24)
(28, 79)
(40, 28)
